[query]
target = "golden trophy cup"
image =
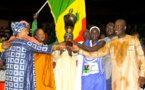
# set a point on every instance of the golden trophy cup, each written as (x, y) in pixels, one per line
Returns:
(70, 20)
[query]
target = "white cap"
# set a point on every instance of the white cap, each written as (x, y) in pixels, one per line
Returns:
(93, 28)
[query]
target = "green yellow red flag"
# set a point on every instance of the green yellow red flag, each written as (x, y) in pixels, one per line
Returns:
(59, 8)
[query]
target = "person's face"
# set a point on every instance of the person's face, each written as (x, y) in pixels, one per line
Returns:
(86, 35)
(94, 34)
(102, 36)
(40, 35)
(110, 29)
(24, 33)
(119, 28)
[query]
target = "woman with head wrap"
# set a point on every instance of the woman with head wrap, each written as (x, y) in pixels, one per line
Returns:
(20, 72)
(7, 44)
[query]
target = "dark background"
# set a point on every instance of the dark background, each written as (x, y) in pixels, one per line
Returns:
(102, 11)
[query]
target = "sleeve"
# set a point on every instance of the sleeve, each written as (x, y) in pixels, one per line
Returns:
(56, 55)
(140, 57)
(34, 26)
(100, 53)
(39, 48)
(32, 39)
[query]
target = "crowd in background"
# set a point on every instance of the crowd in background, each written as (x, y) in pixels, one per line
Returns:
(49, 28)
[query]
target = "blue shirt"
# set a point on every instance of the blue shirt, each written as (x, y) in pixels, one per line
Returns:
(111, 39)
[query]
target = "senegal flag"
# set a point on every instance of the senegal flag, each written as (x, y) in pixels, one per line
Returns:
(59, 8)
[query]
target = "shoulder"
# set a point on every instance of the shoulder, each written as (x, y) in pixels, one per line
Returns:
(19, 41)
(32, 39)
(86, 42)
(131, 38)
(104, 39)
(102, 42)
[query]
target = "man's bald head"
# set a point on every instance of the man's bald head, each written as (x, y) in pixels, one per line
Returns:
(122, 21)
(120, 27)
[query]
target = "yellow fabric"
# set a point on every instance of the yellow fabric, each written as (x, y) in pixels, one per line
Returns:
(79, 8)
(44, 72)
(127, 57)
(1, 50)
(65, 71)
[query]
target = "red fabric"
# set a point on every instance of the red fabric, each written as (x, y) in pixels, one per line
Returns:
(46, 35)
(77, 63)
(80, 37)
(2, 85)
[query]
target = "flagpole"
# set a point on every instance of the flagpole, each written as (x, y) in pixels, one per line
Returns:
(41, 7)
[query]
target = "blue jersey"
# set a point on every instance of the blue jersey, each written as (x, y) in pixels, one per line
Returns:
(93, 75)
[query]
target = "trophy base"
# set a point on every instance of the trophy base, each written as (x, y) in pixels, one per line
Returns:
(68, 43)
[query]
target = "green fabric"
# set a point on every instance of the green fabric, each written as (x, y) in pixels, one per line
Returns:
(59, 6)
(55, 43)
(34, 26)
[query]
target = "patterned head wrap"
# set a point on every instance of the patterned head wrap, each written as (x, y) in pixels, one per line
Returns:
(93, 28)
(17, 27)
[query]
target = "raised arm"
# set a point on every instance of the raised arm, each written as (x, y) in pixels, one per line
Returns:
(90, 49)
(34, 23)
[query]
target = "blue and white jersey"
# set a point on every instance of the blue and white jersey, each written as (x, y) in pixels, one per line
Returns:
(93, 74)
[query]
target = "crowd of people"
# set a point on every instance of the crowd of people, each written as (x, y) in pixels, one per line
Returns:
(114, 62)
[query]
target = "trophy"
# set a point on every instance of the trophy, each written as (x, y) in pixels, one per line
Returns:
(70, 20)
